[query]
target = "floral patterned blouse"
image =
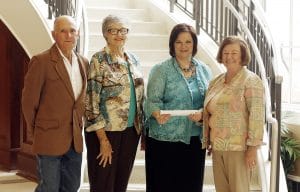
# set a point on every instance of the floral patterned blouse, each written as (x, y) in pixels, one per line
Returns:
(234, 113)
(108, 92)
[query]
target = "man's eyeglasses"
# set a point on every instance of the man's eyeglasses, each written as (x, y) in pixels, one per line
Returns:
(123, 31)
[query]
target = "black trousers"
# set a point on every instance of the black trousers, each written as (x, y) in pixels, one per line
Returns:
(114, 177)
(174, 166)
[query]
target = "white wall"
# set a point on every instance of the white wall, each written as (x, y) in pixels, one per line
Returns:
(284, 19)
(26, 25)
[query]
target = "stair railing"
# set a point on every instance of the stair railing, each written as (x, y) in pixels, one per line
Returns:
(81, 18)
(61, 7)
(221, 18)
(76, 9)
(270, 119)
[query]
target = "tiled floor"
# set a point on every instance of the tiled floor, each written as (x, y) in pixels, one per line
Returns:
(10, 182)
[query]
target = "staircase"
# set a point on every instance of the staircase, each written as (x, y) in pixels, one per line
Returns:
(148, 38)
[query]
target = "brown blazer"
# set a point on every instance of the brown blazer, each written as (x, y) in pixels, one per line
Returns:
(53, 116)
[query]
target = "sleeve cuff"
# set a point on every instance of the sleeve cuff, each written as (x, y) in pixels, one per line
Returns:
(95, 127)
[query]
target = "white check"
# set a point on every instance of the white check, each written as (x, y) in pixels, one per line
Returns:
(179, 112)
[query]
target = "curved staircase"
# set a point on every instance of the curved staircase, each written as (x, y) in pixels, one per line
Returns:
(148, 38)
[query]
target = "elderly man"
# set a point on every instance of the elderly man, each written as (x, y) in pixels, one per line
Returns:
(53, 106)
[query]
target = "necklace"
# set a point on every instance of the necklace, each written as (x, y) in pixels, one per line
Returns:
(187, 70)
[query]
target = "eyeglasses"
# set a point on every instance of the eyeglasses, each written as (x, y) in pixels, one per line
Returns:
(123, 31)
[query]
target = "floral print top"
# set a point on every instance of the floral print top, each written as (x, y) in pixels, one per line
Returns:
(234, 113)
(168, 89)
(108, 92)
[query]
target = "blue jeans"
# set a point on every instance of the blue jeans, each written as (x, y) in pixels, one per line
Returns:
(59, 173)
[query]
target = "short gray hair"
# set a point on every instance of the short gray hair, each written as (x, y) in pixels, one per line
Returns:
(64, 18)
(110, 19)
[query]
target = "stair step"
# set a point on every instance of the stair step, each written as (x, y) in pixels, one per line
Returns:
(135, 41)
(94, 13)
(142, 188)
(154, 56)
(136, 187)
(146, 57)
(138, 172)
(110, 3)
(140, 155)
(152, 27)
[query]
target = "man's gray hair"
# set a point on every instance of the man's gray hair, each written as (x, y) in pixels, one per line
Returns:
(64, 17)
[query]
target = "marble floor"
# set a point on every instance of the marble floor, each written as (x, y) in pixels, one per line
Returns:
(10, 182)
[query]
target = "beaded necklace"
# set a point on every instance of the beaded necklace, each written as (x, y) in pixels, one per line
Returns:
(187, 70)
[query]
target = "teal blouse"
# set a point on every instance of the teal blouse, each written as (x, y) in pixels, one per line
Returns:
(132, 105)
(168, 89)
(197, 102)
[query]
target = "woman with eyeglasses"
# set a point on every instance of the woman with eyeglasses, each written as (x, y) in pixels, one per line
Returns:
(114, 115)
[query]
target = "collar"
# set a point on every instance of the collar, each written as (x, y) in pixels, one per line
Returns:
(234, 81)
(63, 56)
(111, 59)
